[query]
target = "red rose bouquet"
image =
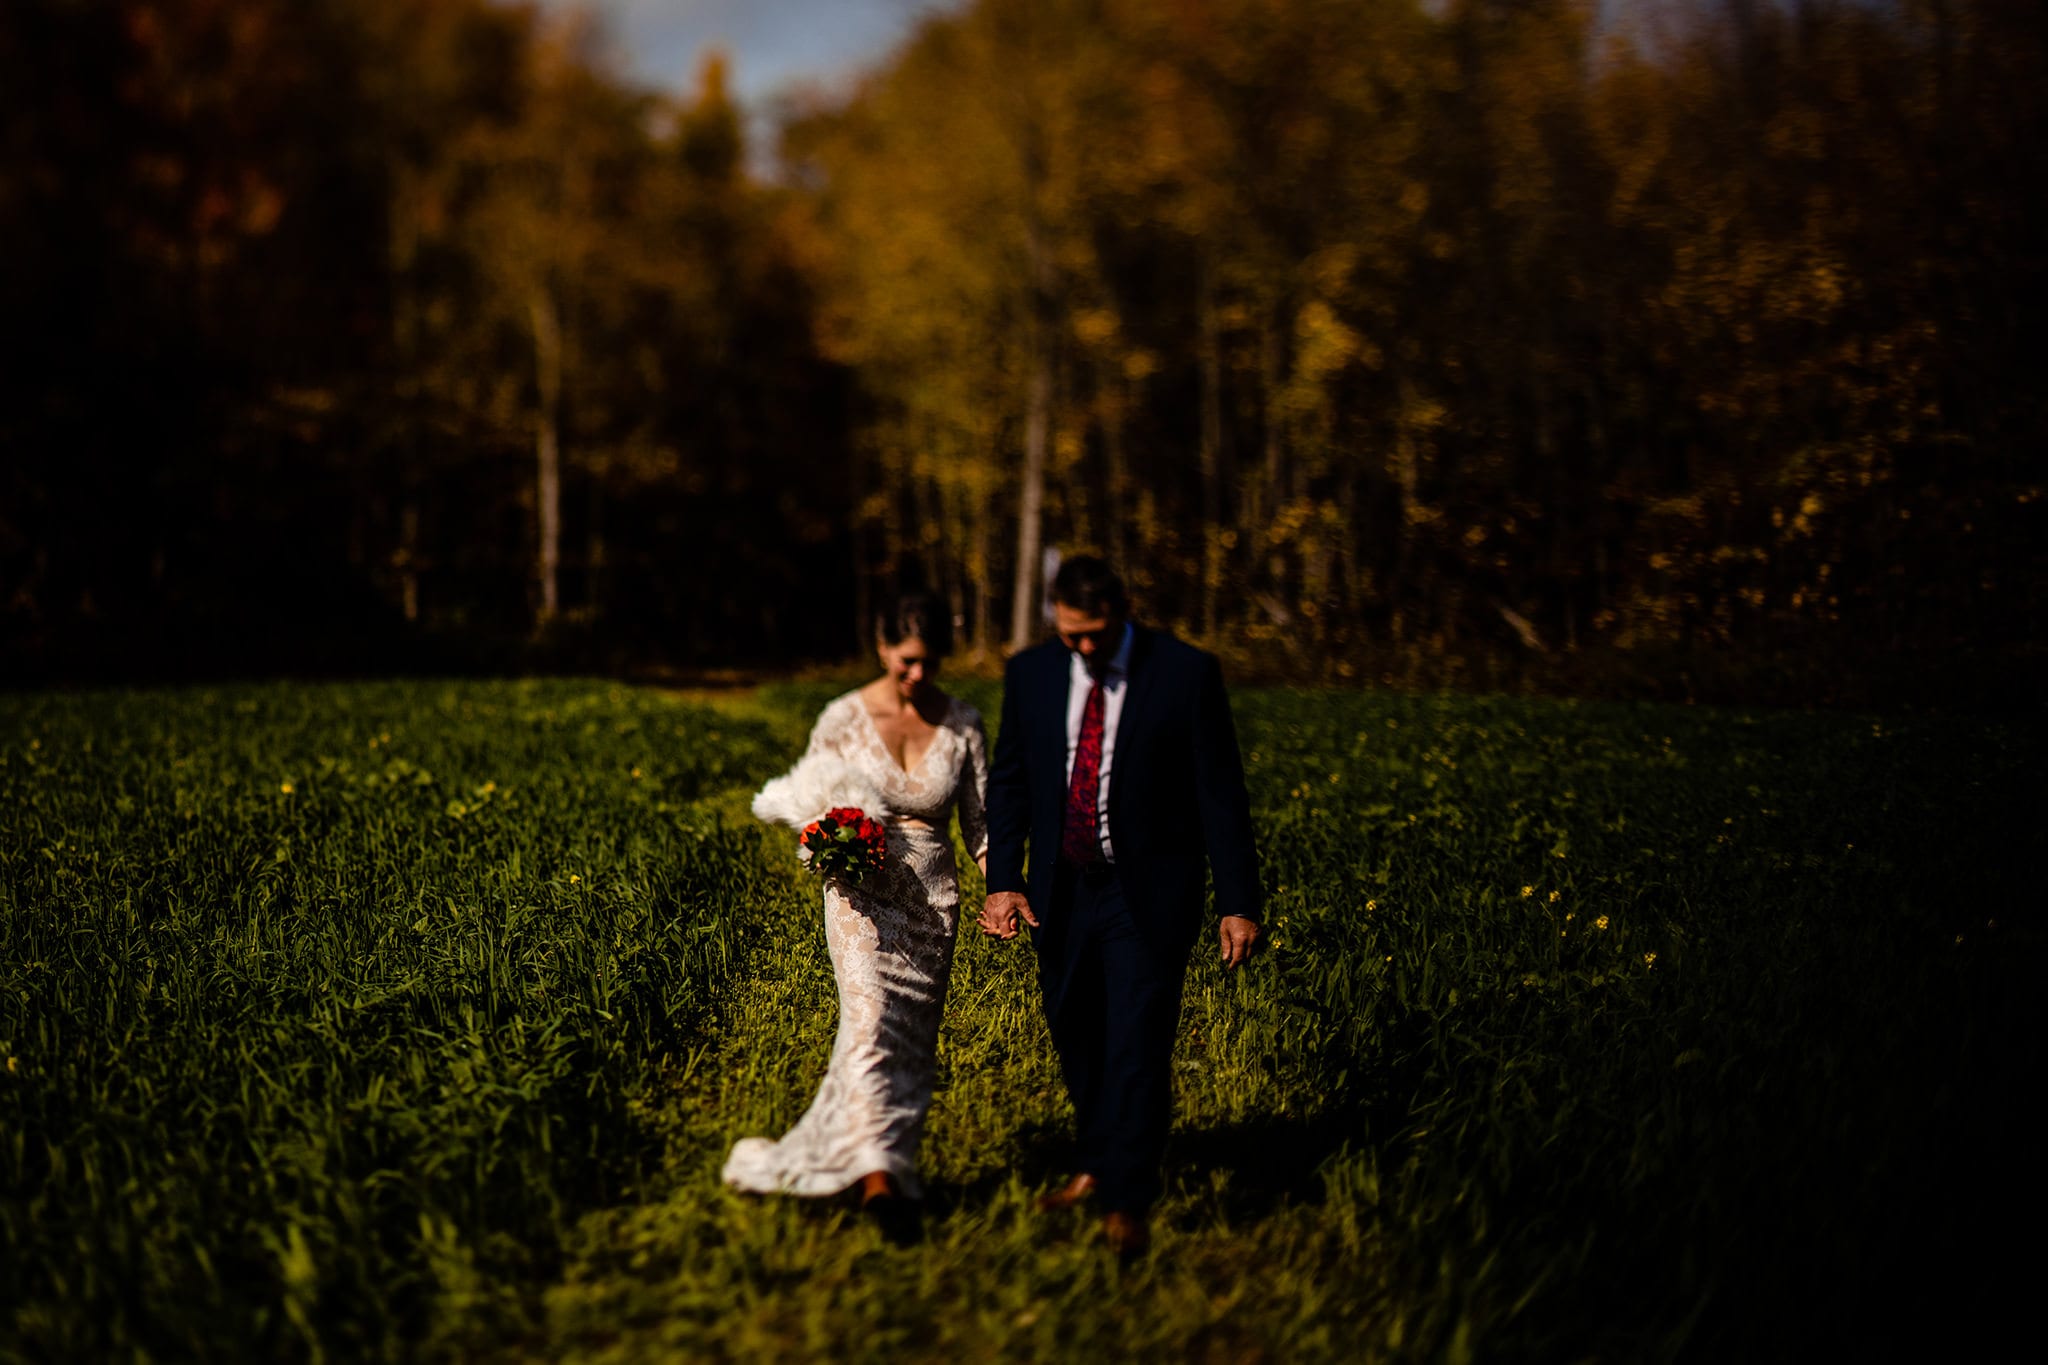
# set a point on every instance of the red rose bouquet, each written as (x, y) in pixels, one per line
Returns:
(845, 842)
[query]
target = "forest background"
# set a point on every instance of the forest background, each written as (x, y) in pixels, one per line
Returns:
(1475, 343)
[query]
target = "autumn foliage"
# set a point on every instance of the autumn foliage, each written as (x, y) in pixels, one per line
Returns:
(1476, 341)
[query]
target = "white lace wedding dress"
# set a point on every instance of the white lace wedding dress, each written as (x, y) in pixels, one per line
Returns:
(891, 940)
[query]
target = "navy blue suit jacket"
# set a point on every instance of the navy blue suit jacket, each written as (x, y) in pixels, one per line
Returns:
(1176, 789)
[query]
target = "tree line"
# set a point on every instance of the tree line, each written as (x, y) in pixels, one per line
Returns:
(1355, 332)
(338, 327)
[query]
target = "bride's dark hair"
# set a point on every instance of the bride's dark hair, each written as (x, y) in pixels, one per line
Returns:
(918, 616)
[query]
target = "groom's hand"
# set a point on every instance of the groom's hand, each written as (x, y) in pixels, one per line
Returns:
(1000, 912)
(1240, 936)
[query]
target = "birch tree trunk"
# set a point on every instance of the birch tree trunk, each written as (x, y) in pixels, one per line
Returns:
(1037, 431)
(1031, 504)
(547, 354)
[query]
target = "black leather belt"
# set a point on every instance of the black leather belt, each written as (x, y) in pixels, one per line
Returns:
(1099, 873)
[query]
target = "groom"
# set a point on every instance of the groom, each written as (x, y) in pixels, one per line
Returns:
(1118, 765)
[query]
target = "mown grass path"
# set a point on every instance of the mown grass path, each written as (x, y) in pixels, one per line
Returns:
(698, 1270)
(414, 1021)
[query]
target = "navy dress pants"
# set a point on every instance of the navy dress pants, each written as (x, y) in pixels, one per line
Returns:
(1113, 1022)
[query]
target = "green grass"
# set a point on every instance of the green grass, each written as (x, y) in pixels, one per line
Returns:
(436, 1054)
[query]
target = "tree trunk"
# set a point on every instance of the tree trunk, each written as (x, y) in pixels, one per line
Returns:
(1031, 504)
(1272, 481)
(547, 351)
(1113, 399)
(594, 557)
(984, 637)
(409, 554)
(1037, 431)
(1211, 452)
(402, 251)
(1407, 476)
(860, 546)
(1347, 556)
(1268, 501)
(926, 502)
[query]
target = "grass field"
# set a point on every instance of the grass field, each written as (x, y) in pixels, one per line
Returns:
(413, 1020)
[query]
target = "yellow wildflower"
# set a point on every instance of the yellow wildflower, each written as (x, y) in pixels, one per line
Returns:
(1649, 959)
(11, 1067)
(1553, 898)
(1600, 923)
(573, 879)
(286, 788)
(1528, 891)
(1370, 906)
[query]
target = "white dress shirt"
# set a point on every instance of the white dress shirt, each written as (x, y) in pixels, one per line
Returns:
(1115, 682)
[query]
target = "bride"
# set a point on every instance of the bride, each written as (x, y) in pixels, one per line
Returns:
(908, 753)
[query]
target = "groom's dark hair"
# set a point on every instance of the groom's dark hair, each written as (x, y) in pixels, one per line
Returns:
(1087, 583)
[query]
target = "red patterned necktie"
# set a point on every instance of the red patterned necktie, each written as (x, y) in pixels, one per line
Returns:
(1078, 837)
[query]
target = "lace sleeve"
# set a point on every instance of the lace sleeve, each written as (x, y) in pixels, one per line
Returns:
(974, 789)
(832, 734)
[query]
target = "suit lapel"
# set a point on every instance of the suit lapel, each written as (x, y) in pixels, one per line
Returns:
(1058, 676)
(1133, 717)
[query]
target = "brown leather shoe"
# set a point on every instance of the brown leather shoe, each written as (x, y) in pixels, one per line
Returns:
(897, 1216)
(1068, 1195)
(1126, 1234)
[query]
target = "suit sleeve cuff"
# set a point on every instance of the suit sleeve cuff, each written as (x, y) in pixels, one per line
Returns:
(1002, 879)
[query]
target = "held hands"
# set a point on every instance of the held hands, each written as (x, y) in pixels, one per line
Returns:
(1000, 912)
(1240, 937)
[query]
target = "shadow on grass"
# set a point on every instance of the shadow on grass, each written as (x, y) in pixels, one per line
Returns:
(1045, 1158)
(1266, 1164)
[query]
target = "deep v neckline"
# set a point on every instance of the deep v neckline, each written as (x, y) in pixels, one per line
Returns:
(875, 733)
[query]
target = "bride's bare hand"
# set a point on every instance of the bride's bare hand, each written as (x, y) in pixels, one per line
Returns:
(1000, 912)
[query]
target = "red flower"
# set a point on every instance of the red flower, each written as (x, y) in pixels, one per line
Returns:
(846, 842)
